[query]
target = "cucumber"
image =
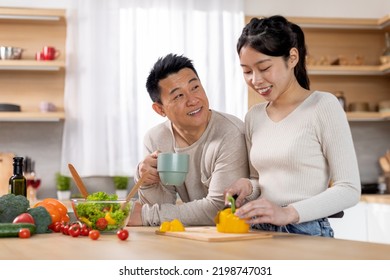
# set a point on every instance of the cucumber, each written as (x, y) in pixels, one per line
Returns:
(12, 230)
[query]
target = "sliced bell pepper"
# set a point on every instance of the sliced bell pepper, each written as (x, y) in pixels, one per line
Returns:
(86, 221)
(109, 219)
(227, 222)
(174, 225)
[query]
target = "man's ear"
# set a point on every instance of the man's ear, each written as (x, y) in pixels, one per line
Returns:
(158, 108)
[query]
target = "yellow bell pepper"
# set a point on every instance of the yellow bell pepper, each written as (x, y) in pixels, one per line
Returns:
(109, 219)
(174, 225)
(86, 221)
(227, 222)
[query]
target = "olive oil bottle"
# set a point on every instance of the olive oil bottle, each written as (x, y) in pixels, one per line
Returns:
(17, 182)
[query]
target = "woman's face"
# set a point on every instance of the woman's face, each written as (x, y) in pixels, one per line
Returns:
(269, 76)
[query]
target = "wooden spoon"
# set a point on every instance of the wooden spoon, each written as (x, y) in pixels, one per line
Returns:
(135, 188)
(384, 164)
(79, 183)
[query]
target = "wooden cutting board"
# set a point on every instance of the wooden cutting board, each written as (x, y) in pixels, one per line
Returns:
(6, 170)
(210, 234)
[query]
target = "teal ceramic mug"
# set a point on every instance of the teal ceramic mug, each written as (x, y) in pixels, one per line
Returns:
(172, 168)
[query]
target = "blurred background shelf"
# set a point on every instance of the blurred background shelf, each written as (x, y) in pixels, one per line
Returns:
(353, 70)
(26, 81)
(31, 116)
(32, 65)
(368, 116)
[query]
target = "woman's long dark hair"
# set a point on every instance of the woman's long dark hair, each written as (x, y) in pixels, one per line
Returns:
(275, 36)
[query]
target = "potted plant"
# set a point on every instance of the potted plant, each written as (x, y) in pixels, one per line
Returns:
(121, 183)
(63, 186)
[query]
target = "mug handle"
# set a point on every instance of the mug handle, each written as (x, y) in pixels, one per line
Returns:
(57, 54)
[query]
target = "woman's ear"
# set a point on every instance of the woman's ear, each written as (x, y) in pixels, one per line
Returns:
(294, 57)
(158, 108)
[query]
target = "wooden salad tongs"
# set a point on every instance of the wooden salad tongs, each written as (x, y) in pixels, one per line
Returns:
(77, 179)
(135, 188)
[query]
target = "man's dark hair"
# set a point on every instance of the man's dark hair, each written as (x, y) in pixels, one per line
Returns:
(165, 66)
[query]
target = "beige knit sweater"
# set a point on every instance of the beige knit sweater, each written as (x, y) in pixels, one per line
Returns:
(293, 160)
(217, 159)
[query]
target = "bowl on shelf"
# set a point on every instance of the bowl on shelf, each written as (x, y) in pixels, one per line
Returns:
(106, 216)
(384, 59)
(8, 52)
(6, 107)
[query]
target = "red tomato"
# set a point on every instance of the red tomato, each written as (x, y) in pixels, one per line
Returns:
(101, 223)
(122, 234)
(57, 227)
(65, 229)
(24, 233)
(84, 230)
(74, 230)
(24, 218)
(94, 234)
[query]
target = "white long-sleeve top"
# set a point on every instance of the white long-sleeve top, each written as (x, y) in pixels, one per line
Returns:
(293, 160)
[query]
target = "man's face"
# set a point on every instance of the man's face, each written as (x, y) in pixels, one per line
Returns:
(184, 101)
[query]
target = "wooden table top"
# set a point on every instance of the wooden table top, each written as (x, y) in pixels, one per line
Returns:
(376, 198)
(145, 244)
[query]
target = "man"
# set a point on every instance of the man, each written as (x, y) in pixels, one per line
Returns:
(214, 141)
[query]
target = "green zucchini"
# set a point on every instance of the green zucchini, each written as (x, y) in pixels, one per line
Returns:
(12, 230)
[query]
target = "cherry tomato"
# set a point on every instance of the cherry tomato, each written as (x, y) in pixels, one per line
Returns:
(24, 233)
(94, 234)
(56, 227)
(101, 224)
(84, 230)
(122, 234)
(74, 230)
(65, 229)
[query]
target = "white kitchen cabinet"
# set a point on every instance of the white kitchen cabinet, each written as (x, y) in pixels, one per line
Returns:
(378, 222)
(353, 226)
(367, 221)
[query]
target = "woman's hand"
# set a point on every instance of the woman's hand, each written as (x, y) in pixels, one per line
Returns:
(261, 211)
(242, 188)
(149, 164)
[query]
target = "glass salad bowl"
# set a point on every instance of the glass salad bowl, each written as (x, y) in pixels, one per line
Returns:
(107, 216)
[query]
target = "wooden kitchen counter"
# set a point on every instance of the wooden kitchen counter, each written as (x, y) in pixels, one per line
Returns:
(376, 198)
(145, 244)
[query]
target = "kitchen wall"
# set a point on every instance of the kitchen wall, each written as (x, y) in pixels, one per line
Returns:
(42, 141)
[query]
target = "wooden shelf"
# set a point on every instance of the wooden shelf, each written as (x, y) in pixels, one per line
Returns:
(351, 70)
(31, 116)
(32, 65)
(32, 14)
(368, 116)
(26, 81)
(342, 23)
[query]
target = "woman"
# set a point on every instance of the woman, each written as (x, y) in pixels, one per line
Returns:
(298, 141)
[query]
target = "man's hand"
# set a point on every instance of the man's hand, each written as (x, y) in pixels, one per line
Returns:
(149, 164)
(242, 188)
